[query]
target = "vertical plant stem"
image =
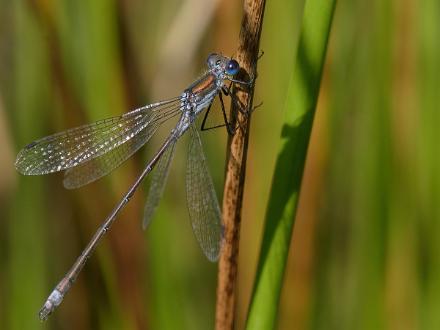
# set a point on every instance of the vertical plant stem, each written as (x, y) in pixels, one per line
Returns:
(300, 109)
(247, 56)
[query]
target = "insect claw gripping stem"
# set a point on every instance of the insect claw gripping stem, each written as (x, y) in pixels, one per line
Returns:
(255, 107)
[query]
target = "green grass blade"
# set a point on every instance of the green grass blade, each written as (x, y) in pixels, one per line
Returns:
(25, 274)
(300, 108)
(427, 191)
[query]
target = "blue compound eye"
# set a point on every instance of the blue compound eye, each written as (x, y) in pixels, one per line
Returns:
(232, 67)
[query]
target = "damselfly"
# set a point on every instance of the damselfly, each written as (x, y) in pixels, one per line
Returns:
(88, 152)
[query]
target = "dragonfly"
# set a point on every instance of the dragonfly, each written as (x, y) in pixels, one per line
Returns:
(89, 152)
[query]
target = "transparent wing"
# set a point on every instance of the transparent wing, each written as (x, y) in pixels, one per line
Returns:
(96, 168)
(204, 210)
(158, 180)
(81, 144)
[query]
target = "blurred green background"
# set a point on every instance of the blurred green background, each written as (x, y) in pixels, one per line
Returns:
(366, 242)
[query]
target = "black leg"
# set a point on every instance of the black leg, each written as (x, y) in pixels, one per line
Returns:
(227, 92)
(225, 118)
(257, 106)
(203, 128)
(243, 83)
(230, 130)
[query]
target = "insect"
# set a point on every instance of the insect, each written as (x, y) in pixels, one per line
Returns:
(89, 152)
